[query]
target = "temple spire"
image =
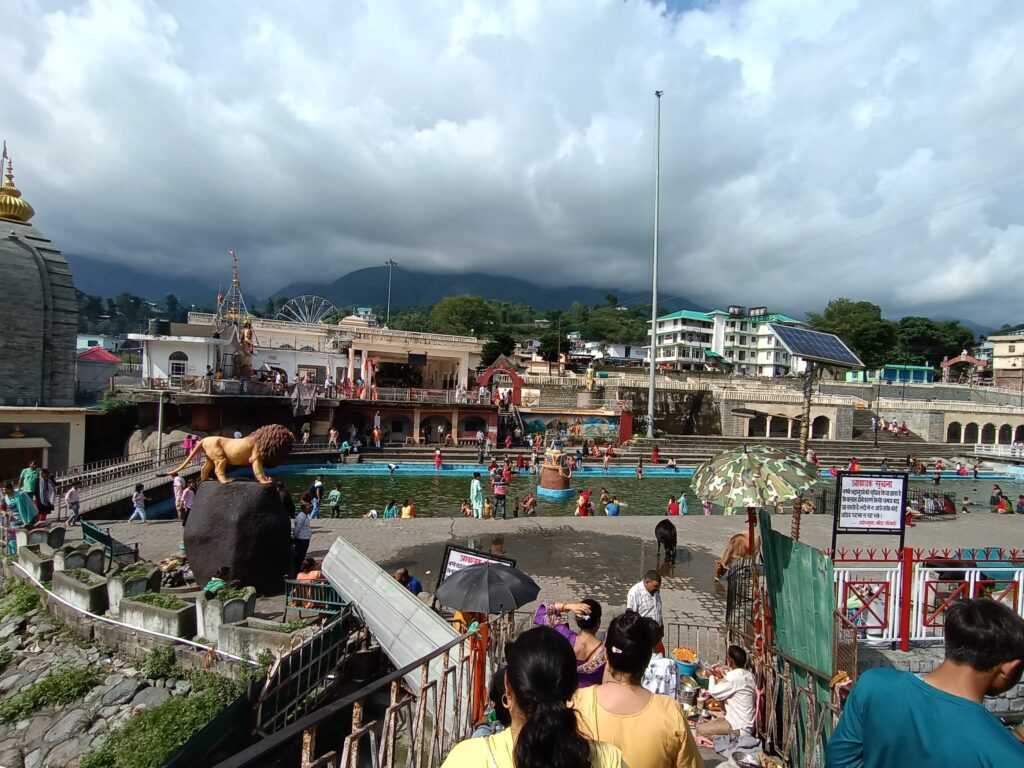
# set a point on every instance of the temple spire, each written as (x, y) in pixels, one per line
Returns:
(231, 306)
(12, 207)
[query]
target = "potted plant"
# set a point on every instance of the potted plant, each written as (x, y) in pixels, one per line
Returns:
(226, 607)
(131, 580)
(167, 614)
(82, 588)
(249, 637)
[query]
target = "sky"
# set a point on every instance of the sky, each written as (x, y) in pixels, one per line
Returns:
(859, 148)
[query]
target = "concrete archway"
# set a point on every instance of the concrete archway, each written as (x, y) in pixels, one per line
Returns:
(954, 432)
(431, 424)
(820, 428)
(971, 433)
(757, 426)
(988, 434)
(1018, 436)
(470, 425)
(778, 427)
(1005, 434)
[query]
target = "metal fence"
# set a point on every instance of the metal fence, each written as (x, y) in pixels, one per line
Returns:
(417, 730)
(901, 596)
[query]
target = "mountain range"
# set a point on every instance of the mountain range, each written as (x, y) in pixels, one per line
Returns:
(369, 286)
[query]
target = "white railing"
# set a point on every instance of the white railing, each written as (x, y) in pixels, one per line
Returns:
(1000, 451)
(934, 591)
(869, 597)
(790, 397)
(961, 406)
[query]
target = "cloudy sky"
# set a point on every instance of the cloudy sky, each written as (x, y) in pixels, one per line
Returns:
(873, 149)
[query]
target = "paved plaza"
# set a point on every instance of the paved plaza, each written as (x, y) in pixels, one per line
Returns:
(595, 557)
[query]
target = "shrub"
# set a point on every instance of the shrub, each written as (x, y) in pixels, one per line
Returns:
(288, 626)
(161, 662)
(58, 689)
(140, 568)
(229, 594)
(81, 575)
(170, 602)
(20, 598)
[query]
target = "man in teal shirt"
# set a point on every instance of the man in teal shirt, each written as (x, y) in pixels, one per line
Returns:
(896, 719)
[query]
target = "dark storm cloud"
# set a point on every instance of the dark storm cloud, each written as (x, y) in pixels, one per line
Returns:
(868, 149)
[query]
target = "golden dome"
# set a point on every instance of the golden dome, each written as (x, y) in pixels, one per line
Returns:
(12, 207)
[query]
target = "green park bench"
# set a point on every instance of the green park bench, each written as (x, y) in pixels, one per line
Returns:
(322, 598)
(93, 534)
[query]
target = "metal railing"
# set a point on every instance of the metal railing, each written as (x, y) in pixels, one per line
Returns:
(422, 728)
(963, 406)
(894, 595)
(1000, 451)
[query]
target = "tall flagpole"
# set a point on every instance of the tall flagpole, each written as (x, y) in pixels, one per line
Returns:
(654, 277)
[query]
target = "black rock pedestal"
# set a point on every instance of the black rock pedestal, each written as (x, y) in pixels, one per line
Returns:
(241, 525)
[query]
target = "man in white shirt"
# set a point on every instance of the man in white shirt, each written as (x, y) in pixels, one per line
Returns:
(644, 597)
(736, 689)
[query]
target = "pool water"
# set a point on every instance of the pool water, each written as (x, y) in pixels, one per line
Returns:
(441, 494)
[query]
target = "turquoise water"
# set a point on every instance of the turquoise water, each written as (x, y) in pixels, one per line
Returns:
(440, 494)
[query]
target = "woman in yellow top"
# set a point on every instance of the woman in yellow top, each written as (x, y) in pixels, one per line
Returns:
(539, 681)
(408, 510)
(650, 729)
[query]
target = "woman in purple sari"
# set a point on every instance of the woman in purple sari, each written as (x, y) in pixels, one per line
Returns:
(590, 653)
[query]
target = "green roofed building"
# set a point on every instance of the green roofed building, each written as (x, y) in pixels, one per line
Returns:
(737, 339)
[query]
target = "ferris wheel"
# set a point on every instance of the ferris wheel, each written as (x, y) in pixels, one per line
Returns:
(306, 309)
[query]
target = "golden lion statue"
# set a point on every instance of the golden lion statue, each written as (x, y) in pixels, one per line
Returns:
(263, 448)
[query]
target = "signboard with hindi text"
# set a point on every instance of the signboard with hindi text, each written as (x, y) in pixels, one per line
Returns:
(456, 558)
(870, 503)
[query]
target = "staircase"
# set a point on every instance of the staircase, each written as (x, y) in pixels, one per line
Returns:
(862, 430)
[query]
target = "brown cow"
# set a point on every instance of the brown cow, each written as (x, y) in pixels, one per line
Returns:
(735, 550)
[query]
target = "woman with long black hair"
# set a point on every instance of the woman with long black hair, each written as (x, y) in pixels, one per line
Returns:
(650, 729)
(540, 678)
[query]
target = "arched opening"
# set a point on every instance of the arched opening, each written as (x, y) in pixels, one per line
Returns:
(757, 426)
(971, 433)
(820, 427)
(432, 425)
(953, 432)
(778, 427)
(1005, 434)
(988, 434)
(177, 366)
(1018, 436)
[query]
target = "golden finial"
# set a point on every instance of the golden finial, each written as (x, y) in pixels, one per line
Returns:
(12, 207)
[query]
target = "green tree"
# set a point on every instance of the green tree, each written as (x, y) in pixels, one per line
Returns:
(501, 344)
(463, 315)
(176, 312)
(861, 325)
(926, 341)
(411, 319)
(549, 347)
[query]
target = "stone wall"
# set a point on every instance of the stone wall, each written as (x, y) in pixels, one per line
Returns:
(917, 392)
(676, 412)
(921, 660)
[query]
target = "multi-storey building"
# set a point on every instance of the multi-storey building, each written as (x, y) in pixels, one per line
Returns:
(737, 339)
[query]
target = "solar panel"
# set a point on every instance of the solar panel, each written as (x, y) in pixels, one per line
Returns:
(820, 347)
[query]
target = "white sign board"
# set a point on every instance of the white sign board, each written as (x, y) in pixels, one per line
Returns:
(871, 502)
(457, 558)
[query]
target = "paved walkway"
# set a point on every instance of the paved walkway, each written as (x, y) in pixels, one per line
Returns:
(600, 557)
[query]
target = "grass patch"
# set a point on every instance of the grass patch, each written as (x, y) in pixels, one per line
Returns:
(170, 602)
(6, 657)
(20, 598)
(229, 594)
(57, 690)
(134, 571)
(82, 576)
(150, 737)
(161, 662)
(288, 626)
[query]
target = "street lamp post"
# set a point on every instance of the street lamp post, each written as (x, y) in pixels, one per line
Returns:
(878, 395)
(390, 264)
(654, 277)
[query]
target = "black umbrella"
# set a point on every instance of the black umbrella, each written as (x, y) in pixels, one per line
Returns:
(487, 588)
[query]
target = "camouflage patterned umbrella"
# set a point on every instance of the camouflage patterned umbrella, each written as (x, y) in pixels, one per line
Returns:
(753, 476)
